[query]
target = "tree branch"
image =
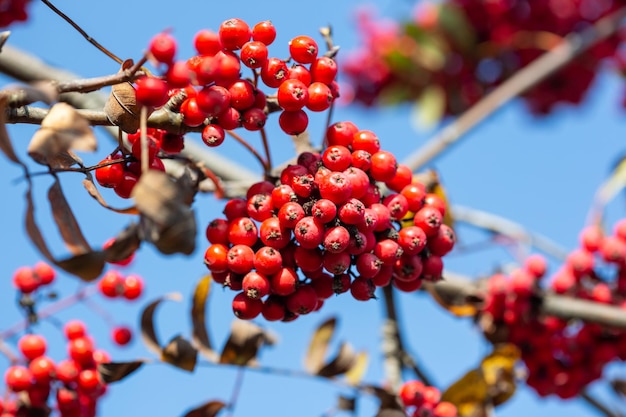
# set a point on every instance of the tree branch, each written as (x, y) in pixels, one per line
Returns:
(597, 405)
(572, 45)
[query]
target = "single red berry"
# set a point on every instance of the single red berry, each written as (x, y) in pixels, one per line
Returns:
(246, 308)
(32, 346)
(336, 188)
(308, 232)
(302, 301)
(242, 231)
(272, 233)
(67, 371)
(303, 49)
(320, 97)
(388, 251)
(415, 194)
(126, 186)
(273, 72)
(402, 179)
(109, 176)
(591, 238)
(240, 259)
(88, 380)
(213, 135)
(253, 119)
(290, 214)
(217, 231)
(341, 133)
(18, 378)
(153, 148)
(300, 72)
(362, 289)
(264, 32)
(408, 268)
(284, 282)
(292, 94)
(74, 329)
(255, 285)
(443, 241)
(234, 33)
(241, 94)
(268, 261)
(324, 210)
(132, 287)
(151, 91)
(163, 48)
(362, 159)
(397, 204)
(360, 182)
(429, 219)
(178, 75)
(352, 212)
(216, 258)
(366, 140)
(213, 100)
(43, 369)
(384, 166)
(81, 350)
(25, 280)
(308, 260)
(282, 195)
(207, 42)
(337, 158)
(122, 335)
(293, 122)
(273, 308)
(432, 268)
(254, 54)
(234, 208)
(230, 119)
(411, 393)
(111, 284)
(324, 70)
(337, 263)
(193, 115)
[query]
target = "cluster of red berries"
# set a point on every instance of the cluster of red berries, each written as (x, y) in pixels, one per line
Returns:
(424, 401)
(74, 381)
(28, 279)
(113, 285)
(121, 171)
(12, 11)
(438, 48)
(217, 95)
(563, 356)
(325, 228)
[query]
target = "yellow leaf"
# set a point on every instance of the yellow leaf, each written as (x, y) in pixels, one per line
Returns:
(355, 375)
(460, 307)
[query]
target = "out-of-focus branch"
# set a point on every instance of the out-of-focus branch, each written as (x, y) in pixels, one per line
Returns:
(395, 354)
(568, 308)
(598, 405)
(503, 226)
(572, 45)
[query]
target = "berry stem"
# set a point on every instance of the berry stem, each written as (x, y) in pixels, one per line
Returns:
(251, 149)
(548, 63)
(82, 32)
(234, 396)
(268, 156)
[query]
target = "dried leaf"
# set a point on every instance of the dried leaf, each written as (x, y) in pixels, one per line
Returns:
(388, 400)
(459, 305)
(5, 142)
(345, 359)
(355, 375)
(166, 220)
(66, 222)
(209, 409)
(198, 310)
(93, 191)
(180, 353)
(346, 403)
(148, 332)
(316, 353)
(619, 386)
(116, 371)
(121, 108)
(62, 129)
(244, 342)
(390, 412)
(4, 36)
(124, 244)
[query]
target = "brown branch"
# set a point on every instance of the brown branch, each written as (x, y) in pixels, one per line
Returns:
(573, 45)
(598, 405)
(459, 287)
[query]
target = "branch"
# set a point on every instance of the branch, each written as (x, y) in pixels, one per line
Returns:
(597, 405)
(503, 226)
(567, 308)
(572, 45)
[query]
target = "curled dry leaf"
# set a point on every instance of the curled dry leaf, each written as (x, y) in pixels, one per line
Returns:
(180, 353)
(116, 371)
(316, 353)
(166, 220)
(198, 318)
(4, 36)
(93, 191)
(124, 244)
(66, 221)
(389, 401)
(342, 363)
(121, 108)
(62, 129)
(244, 342)
(346, 403)
(209, 409)
(148, 333)
(355, 375)
(619, 386)
(5, 142)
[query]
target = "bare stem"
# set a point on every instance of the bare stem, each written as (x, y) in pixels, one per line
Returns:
(250, 148)
(266, 148)
(234, 396)
(572, 45)
(82, 32)
(597, 405)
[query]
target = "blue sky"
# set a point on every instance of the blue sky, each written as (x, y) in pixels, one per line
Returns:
(541, 173)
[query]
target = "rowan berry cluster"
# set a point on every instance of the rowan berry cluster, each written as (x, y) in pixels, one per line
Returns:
(12, 11)
(421, 400)
(462, 49)
(563, 356)
(325, 227)
(113, 285)
(74, 381)
(28, 279)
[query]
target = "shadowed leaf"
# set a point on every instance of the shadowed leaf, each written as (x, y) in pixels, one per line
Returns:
(93, 191)
(62, 129)
(148, 333)
(180, 353)
(121, 108)
(4, 36)
(124, 244)
(355, 375)
(66, 222)
(198, 319)
(346, 403)
(390, 412)
(457, 304)
(5, 142)
(619, 386)
(244, 342)
(209, 409)
(166, 220)
(116, 371)
(389, 402)
(345, 359)
(87, 266)
(314, 359)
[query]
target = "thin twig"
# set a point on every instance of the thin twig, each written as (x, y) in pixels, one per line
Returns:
(573, 45)
(250, 148)
(82, 32)
(593, 402)
(268, 155)
(234, 396)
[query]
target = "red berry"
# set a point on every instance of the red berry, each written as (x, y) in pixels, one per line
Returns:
(273, 308)
(43, 369)
(111, 175)
(300, 72)
(255, 285)
(324, 70)
(216, 258)
(411, 393)
(125, 187)
(362, 289)
(429, 219)
(88, 380)
(234, 33)
(241, 94)
(308, 232)
(240, 259)
(193, 115)
(303, 49)
(366, 140)
(132, 287)
(284, 282)
(302, 301)
(163, 48)
(151, 91)
(242, 231)
(18, 378)
(122, 335)
(25, 280)
(274, 72)
(274, 234)
(213, 135)
(32, 346)
(384, 166)
(67, 371)
(254, 54)
(111, 284)
(213, 100)
(341, 133)
(44, 272)
(253, 119)
(217, 231)
(337, 158)
(290, 214)
(246, 308)
(207, 42)
(74, 329)
(264, 32)
(268, 260)
(320, 97)
(178, 75)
